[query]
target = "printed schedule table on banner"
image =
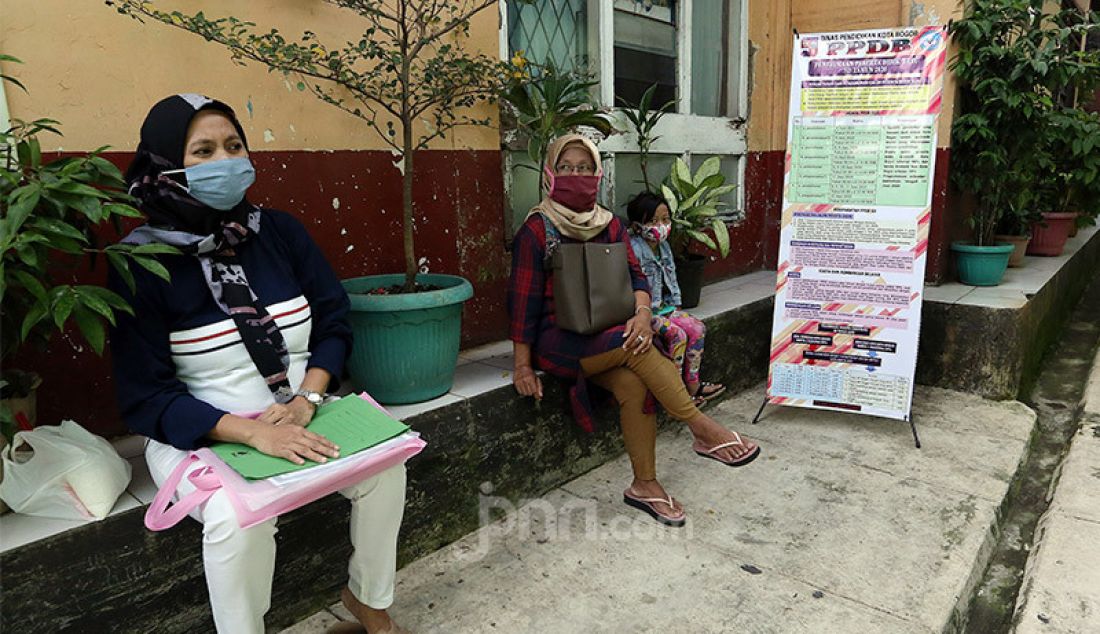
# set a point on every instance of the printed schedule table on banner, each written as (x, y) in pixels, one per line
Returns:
(857, 201)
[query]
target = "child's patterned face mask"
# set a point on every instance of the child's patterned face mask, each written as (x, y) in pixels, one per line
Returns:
(656, 233)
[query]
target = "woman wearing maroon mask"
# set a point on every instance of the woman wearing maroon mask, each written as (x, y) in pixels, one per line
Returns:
(621, 359)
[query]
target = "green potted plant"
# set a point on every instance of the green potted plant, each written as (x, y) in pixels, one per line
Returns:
(51, 214)
(1001, 66)
(408, 68)
(1015, 64)
(693, 203)
(546, 103)
(1073, 191)
(644, 118)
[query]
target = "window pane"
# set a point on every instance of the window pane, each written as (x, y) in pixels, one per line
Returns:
(550, 31)
(645, 49)
(628, 176)
(710, 58)
(730, 168)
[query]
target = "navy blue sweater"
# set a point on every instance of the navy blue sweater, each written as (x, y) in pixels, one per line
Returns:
(281, 261)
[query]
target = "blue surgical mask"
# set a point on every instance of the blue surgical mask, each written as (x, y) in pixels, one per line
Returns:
(219, 184)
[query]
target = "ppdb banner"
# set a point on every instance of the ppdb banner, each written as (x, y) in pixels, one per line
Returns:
(857, 204)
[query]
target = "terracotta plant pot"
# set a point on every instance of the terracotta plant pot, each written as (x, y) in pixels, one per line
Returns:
(1073, 226)
(1019, 246)
(1048, 237)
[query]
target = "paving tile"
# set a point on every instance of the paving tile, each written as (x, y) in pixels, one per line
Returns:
(404, 412)
(1000, 298)
(141, 486)
(17, 530)
(129, 446)
(493, 349)
(477, 378)
(946, 293)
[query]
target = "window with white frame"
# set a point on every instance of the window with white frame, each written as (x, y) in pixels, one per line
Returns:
(695, 51)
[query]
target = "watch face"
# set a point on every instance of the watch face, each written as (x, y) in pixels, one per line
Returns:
(315, 398)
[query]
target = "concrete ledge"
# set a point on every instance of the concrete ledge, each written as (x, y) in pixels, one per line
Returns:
(114, 575)
(990, 341)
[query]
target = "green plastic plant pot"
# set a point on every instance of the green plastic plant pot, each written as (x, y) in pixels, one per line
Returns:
(406, 345)
(981, 265)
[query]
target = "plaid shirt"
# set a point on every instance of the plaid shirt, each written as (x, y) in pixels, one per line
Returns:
(531, 305)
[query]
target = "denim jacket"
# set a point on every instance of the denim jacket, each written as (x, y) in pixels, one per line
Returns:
(661, 272)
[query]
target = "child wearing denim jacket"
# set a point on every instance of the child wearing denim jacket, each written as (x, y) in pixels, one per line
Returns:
(682, 333)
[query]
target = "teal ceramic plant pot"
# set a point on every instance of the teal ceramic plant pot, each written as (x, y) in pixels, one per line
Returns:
(981, 265)
(406, 345)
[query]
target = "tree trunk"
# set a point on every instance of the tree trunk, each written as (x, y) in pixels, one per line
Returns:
(408, 221)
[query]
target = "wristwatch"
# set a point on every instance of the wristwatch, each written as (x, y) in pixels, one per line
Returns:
(314, 398)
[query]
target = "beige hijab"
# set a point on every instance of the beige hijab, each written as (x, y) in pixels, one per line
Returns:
(579, 225)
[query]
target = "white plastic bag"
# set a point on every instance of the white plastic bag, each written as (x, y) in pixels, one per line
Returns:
(70, 474)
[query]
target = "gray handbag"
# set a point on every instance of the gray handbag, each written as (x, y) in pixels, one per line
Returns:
(592, 288)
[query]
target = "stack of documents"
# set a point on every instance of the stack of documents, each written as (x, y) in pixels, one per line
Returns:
(351, 422)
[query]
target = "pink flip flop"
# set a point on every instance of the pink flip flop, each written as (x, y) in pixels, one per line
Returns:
(739, 462)
(646, 505)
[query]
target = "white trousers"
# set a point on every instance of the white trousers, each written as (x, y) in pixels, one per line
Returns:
(240, 563)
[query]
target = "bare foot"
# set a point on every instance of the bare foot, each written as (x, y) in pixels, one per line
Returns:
(375, 621)
(708, 433)
(653, 489)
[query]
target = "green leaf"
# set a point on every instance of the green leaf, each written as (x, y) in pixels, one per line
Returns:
(703, 238)
(21, 203)
(122, 266)
(91, 327)
(63, 301)
(709, 168)
(682, 175)
(154, 267)
(27, 255)
(32, 284)
(119, 209)
(722, 234)
(58, 228)
(110, 297)
(149, 249)
(34, 315)
(671, 199)
(94, 302)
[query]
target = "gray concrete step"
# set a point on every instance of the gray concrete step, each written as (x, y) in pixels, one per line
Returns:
(840, 526)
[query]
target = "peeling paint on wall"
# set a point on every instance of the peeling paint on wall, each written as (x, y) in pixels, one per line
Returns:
(918, 16)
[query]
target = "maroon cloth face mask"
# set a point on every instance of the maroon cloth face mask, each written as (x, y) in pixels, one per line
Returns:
(575, 191)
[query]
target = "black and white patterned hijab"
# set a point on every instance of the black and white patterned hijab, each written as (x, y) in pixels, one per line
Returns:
(211, 235)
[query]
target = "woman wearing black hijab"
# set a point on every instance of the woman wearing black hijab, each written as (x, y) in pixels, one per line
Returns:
(254, 319)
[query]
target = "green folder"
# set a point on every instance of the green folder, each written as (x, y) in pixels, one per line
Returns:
(352, 423)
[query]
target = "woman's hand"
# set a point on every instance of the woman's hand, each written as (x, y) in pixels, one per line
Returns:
(298, 412)
(527, 382)
(638, 336)
(295, 443)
